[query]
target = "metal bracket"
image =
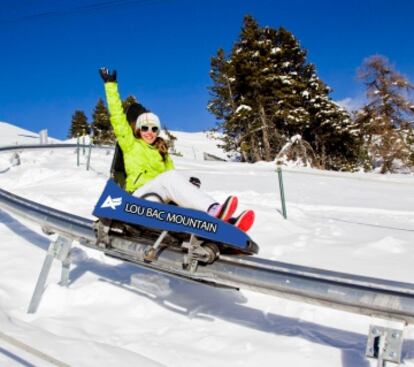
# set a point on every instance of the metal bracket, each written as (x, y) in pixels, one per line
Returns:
(60, 250)
(151, 252)
(384, 344)
(102, 233)
(196, 253)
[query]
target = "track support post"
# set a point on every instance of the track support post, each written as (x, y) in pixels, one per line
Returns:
(58, 249)
(384, 344)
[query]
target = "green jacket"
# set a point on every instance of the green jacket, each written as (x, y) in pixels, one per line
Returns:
(142, 161)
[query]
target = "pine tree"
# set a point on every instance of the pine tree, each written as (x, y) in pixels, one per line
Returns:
(331, 130)
(101, 127)
(265, 92)
(384, 121)
(222, 104)
(79, 125)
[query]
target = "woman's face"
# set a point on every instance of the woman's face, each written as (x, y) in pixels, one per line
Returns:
(149, 133)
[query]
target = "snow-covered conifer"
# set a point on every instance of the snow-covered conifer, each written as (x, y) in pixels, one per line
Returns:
(79, 124)
(102, 129)
(265, 92)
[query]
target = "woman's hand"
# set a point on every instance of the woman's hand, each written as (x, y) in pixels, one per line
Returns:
(107, 76)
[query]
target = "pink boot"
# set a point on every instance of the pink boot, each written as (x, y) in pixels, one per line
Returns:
(244, 221)
(224, 211)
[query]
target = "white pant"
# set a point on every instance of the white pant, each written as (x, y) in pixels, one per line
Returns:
(171, 186)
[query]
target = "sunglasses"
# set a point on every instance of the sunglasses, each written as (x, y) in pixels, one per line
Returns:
(144, 129)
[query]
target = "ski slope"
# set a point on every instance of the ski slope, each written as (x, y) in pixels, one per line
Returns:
(116, 314)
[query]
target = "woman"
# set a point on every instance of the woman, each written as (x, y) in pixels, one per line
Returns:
(149, 168)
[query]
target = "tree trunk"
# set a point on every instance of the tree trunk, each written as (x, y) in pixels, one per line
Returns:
(387, 165)
(323, 157)
(245, 156)
(254, 149)
(265, 132)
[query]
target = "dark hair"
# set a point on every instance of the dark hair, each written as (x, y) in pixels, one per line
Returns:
(162, 147)
(133, 111)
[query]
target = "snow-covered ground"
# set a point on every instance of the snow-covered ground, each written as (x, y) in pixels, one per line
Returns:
(116, 314)
(193, 145)
(13, 135)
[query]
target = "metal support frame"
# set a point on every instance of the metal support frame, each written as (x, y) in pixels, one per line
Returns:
(151, 252)
(384, 344)
(196, 253)
(58, 249)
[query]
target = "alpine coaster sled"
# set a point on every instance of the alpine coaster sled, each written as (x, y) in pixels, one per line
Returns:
(162, 225)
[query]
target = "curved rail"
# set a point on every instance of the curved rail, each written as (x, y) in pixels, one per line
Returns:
(359, 294)
(363, 295)
(11, 148)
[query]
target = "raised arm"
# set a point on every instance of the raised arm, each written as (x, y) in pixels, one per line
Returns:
(122, 129)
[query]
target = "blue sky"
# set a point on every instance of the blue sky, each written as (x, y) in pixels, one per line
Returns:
(50, 52)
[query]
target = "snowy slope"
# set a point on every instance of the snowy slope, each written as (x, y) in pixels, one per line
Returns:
(188, 145)
(115, 314)
(12, 135)
(193, 145)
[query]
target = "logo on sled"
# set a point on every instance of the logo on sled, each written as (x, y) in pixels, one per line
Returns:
(111, 203)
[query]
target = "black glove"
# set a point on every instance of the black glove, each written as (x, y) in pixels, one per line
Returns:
(107, 76)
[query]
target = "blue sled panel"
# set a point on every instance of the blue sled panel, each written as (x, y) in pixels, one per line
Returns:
(117, 204)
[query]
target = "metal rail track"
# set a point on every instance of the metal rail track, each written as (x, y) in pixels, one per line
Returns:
(11, 148)
(360, 294)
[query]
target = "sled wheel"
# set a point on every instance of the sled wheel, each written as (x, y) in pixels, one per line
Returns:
(212, 250)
